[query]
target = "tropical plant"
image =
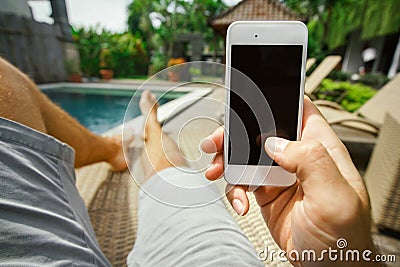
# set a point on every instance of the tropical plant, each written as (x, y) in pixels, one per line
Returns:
(130, 56)
(89, 46)
(106, 59)
(338, 75)
(124, 53)
(353, 96)
(330, 21)
(171, 18)
(376, 80)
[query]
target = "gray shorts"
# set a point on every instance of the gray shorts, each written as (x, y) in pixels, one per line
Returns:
(43, 220)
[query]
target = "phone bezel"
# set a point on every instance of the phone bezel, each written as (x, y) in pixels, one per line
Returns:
(263, 33)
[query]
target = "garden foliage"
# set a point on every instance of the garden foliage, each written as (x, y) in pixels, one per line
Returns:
(355, 95)
(123, 53)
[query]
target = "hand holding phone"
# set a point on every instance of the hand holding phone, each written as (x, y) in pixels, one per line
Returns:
(265, 79)
(325, 176)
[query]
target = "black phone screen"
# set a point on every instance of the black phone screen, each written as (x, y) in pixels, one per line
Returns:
(276, 72)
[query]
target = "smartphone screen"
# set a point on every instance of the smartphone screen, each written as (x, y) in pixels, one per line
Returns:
(276, 71)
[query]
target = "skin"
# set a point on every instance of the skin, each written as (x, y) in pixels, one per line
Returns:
(328, 202)
(23, 102)
(160, 151)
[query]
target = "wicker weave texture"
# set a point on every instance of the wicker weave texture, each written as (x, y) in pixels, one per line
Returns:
(112, 197)
(113, 213)
(89, 179)
(383, 176)
(252, 224)
(256, 230)
(385, 101)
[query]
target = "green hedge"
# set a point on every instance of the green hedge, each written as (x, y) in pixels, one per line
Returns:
(376, 80)
(124, 53)
(355, 95)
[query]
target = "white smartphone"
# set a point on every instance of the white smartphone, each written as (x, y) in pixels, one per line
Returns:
(269, 102)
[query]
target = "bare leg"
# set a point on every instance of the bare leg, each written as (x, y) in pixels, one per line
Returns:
(160, 151)
(89, 147)
(22, 101)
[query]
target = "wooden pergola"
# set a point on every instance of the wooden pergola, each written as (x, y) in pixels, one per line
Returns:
(252, 10)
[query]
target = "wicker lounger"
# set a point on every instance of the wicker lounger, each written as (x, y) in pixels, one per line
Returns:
(383, 177)
(113, 207)
(320, 73)
(310, 62)
(112, 200)
(111, 197)
(371, 115)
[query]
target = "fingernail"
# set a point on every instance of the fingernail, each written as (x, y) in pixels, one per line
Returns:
(238, 206)
(207, 145)
(276, 144)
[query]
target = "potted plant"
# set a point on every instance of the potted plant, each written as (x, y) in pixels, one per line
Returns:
(174, 70)
(106, 64)
(72, 67)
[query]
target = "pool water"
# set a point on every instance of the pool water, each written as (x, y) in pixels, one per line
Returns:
(100, 109)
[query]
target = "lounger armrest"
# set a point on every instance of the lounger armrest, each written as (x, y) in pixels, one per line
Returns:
(373, 124)
(327, 103)
(310, 62)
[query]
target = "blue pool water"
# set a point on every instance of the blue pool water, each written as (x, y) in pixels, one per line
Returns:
(99, 109)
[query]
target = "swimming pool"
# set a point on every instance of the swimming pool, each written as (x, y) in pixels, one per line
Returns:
(100, 109)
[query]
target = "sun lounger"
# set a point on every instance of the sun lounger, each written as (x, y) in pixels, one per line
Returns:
(111, 197)
(371, 115)
(382, 177)
(320, 73)
(309, 63)
(111, 200)
(387, 100)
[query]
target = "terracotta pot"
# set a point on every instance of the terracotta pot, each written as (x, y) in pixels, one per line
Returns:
(75, 77)
(174, 76)
(106, 74)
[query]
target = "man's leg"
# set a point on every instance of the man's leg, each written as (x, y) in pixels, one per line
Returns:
(181, 221)
(23, 102)
(159, 152)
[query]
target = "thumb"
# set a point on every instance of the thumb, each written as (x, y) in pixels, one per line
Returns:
(311, 162)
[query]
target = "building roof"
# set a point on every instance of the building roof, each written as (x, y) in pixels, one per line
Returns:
(253, 10)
